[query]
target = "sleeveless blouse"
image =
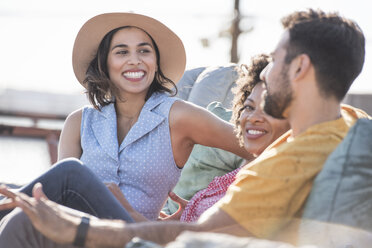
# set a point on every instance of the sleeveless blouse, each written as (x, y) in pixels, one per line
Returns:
(142, 165)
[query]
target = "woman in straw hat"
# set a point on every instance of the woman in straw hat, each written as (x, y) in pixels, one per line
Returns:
(135, 136)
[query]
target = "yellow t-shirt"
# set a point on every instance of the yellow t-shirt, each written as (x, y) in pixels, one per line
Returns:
(271, 190)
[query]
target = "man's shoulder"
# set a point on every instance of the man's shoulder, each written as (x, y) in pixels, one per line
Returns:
(309, 149)
(290, 155)
(351, 114)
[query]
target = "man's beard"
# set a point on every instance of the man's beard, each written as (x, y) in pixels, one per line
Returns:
(276, 103)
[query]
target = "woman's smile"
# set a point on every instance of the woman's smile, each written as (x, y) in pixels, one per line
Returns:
(254, 132)
(134, 75)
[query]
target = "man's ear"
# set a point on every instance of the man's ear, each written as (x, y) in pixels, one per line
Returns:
(300, 66)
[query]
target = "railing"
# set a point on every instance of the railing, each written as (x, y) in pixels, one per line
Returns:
(50, 135)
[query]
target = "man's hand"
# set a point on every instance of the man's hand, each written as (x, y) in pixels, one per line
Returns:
(7, 203)
(181, 207)
(55, 221)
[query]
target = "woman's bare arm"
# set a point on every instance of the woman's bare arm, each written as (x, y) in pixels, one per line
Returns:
(191, 124)
(69, 141)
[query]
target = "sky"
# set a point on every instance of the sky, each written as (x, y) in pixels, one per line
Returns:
(37, 36)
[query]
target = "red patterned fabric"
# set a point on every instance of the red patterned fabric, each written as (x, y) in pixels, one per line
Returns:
(206, 198)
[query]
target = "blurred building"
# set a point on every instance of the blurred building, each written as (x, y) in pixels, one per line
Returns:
(30, 125)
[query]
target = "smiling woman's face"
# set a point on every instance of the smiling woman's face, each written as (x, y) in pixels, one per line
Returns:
(131, 61)
(259, 129)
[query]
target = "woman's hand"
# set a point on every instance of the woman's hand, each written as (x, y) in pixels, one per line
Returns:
(115, 190)
(181, 207)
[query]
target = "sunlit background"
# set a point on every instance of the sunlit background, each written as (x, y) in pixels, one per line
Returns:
(37, 38)
(37, 35)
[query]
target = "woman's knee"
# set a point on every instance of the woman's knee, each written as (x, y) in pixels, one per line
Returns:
(70, 161)
(70, 166)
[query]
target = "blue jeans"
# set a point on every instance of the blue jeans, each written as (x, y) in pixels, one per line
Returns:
(72, 184)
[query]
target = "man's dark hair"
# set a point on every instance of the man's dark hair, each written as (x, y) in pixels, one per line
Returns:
(335, 45)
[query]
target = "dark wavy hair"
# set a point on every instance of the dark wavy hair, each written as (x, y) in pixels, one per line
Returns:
(101, 91)
(249, 77)
(335, 45)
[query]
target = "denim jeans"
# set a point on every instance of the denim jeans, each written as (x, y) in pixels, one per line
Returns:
(72, 184)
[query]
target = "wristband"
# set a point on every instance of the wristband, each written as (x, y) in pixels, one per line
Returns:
(81, 232)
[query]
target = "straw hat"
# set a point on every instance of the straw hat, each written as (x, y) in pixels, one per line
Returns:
(171, 49)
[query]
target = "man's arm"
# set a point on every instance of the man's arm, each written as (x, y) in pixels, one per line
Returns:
(60, 224)
(108, 233)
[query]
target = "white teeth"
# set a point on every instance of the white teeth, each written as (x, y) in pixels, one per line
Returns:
(138, 74)
(255, 132)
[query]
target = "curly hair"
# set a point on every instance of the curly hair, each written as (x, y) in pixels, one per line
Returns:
(249, 77)
(100, 89)
(335, 45)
